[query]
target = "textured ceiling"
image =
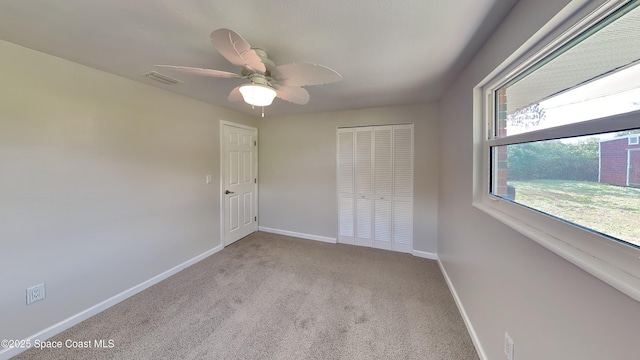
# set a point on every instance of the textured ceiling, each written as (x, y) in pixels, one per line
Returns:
(389, 52)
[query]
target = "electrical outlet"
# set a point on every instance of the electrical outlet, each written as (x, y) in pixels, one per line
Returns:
(35, 293)
(508, 346)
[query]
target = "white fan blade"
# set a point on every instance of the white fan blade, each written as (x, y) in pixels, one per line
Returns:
(235, 49)
(304, 74)
(235, 95)
(199, 71)
(294, 94)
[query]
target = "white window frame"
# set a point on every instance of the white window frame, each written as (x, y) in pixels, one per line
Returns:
(633, 140)
(611, 261)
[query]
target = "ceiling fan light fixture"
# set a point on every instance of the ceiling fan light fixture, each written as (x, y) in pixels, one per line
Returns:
(262, 73)
(257, 95)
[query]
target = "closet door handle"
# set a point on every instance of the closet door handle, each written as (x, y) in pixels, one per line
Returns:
(229, 192)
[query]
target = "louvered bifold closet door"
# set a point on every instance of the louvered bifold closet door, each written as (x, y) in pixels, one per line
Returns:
(346, 206)
(364, 186)
(402, 206)
(382, 186)
(375, 187)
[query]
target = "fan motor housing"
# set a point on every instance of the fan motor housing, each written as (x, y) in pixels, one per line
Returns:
(268, 63)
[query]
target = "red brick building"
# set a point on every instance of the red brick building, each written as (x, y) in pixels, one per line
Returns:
(620, 161)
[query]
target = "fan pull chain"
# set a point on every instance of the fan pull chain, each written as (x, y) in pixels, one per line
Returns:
(263, 111)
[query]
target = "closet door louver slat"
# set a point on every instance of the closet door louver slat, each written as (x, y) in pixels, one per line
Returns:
(346, 222)
(364, 186)
(383, 186)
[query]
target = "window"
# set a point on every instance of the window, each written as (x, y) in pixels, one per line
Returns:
(557, 160)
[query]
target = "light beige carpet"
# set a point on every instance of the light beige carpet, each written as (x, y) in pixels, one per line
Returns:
(276, 297)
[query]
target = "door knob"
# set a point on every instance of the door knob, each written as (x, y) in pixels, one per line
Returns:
(228, 192)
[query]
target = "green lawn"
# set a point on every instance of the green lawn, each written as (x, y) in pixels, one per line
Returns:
(613, 210)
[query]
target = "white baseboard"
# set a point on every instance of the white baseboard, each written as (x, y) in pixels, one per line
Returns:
(463, 313)
(424, 254)
(83, 315)
(299, 235)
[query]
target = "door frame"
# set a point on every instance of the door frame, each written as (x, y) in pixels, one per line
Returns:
(223, 215)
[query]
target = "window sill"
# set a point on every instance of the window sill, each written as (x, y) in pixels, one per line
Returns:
(616, 264)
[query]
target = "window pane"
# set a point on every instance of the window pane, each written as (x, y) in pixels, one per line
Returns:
(592, 181)
(596, 75)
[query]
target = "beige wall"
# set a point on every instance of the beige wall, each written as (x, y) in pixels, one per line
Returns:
(506, 282)
(101, 185)
(298, 169)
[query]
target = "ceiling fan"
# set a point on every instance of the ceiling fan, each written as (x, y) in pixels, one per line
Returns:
(266, 80)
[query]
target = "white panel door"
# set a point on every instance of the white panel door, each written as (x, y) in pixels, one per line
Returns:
(382, 186)
(364, 186)
(403, 188)
(239, 182)
(346, 206)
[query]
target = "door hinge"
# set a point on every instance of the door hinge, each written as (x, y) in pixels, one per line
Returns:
(255, 181)
(255, 143)
(255, 218)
